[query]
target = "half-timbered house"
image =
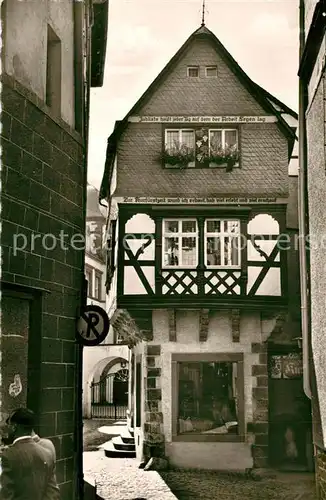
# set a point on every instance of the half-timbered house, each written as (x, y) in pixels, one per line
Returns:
(201, 181)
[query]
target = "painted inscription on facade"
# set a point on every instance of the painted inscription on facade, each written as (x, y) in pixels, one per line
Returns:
(197, 200)
(202, 119)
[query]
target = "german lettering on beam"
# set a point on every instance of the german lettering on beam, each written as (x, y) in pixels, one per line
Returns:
(203, 325)
(235, 325)
(172, 325)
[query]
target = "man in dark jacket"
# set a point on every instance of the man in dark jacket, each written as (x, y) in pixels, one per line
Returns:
(27, 467)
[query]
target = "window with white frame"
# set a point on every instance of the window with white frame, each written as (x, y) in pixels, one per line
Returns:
(180, 243)
(211, 71)
(193, 71)
(222, 243)
(222, 139)
(175, 139)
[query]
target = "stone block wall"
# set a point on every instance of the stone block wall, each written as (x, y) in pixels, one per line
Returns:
(42, 195)
(260, 406)
(153, 428)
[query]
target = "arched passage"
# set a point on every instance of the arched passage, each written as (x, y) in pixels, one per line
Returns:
(96, 360)
(109, 394)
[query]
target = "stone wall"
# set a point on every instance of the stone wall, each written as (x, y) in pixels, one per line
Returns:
(260, 406)
(153, 428)
(42, 194)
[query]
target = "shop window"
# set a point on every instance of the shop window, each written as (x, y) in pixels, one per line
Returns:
(209, 397)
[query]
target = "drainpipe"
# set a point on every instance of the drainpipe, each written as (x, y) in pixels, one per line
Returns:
(303, 217)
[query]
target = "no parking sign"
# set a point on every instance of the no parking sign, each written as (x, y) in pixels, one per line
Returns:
(93, 325)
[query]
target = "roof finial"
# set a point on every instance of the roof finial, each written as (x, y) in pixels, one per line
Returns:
(203, 14)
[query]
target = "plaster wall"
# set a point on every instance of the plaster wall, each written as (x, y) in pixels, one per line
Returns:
(317, 226)
(27, 62)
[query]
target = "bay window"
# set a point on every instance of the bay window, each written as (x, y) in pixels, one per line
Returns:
(180, 243)
(181, 246)
(222, 243)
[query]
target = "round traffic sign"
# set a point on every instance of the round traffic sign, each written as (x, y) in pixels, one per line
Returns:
(93, 325)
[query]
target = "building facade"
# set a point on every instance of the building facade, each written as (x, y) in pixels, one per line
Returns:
(201, 180)
(48, 66)
(311, 210)
(105, 367)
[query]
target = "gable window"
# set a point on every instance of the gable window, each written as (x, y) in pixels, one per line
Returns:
(179, 147)
(222, 139)
(200, 147)
(222, 243)
(193, 71)
(176, 138)
(211, 71)
(180, 243)
(223, 146)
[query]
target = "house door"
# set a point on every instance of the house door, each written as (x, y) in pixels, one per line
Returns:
(289, 413)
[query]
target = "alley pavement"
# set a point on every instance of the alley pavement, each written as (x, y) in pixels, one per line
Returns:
(120, 479)
(207, 485)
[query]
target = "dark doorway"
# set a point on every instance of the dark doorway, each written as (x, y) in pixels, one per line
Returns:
(120, 388)
(289, 413)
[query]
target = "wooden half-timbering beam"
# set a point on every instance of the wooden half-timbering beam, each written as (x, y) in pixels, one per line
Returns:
(203, 324)
(172, 325)
(235, 325)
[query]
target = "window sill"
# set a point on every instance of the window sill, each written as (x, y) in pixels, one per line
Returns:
(180, 167)
(223, 268)
(209, 438)
(222, 165)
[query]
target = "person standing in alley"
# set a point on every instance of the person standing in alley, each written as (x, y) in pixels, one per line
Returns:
(27, 465)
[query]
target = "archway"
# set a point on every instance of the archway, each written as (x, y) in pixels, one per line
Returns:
(96, 360)
(109, 393)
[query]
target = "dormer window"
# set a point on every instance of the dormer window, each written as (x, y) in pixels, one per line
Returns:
(211, 71)
(193, 71)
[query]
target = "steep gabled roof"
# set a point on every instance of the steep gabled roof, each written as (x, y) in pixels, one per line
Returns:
(278, 103)
(261, 96)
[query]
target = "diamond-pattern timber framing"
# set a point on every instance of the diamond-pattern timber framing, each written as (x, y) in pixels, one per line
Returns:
(179, 282)
(235, 324)
(203, 324)
(222, 282)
